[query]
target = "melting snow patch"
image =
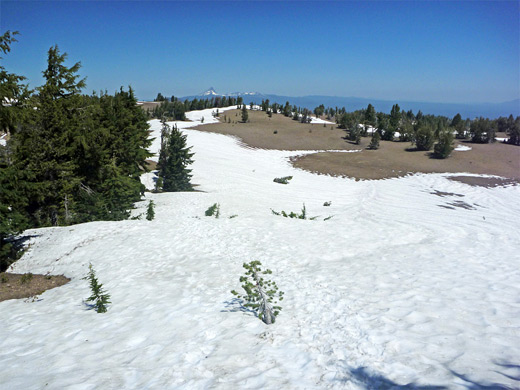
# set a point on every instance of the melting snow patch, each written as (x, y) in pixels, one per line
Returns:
(462, 148)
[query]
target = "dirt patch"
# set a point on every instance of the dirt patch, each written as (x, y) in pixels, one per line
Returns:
(259, 132)
(391, 160)
(16, 286)
(487, 182)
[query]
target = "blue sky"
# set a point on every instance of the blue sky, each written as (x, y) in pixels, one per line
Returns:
(465, 51)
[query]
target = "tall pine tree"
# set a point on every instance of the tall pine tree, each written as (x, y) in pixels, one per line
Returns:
(174, 159)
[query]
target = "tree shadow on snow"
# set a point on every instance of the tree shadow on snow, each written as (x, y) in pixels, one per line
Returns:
(370, 380)
(235, 305)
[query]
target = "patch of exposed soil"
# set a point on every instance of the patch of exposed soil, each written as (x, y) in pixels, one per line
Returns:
(16, 286)
(392, 159)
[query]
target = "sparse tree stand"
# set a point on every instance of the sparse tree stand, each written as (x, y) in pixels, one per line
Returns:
(245, 115)
(261, 295)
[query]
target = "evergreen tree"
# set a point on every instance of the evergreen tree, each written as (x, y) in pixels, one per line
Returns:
(514, 131)
(374, 142)
(46, 145)
(482, 130)
(444, 146)
(370, 116)
(174, 172)
(424, 137)
(150, 212)
(13, 198)
(245, 115)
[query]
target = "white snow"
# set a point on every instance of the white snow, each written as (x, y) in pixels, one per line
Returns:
(501, 139)
(321, 121)
(3, 140)
(462, 148)
(402, 286)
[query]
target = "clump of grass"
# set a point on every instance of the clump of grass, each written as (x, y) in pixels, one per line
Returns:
(26, 278)
(213, 211)
(233, 216)
(3, 278)
(282, 180)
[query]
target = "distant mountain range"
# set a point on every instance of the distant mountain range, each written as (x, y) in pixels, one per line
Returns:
(466, 110)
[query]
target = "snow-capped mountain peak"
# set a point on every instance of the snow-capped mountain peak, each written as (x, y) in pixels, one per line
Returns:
(209, 92)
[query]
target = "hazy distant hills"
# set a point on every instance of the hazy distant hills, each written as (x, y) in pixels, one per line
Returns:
(490, 110)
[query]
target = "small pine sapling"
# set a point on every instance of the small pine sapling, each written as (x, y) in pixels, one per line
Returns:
(213, 211)
(99, 296)
(262, 295)
(150, 212)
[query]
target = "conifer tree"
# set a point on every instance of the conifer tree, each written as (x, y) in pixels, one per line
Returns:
(245, 115)
(176, 156)
(370, 116)
(13, 199)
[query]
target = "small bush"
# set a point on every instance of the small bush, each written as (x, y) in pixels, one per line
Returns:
(213, 211)
(150, 213)
(283, 180)
(275, 132)
(3, 278)
(261, 295)
(99, 296)
(326, 204)
(302, 215)
(26, 278)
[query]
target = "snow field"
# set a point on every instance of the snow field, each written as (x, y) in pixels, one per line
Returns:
(413, 280)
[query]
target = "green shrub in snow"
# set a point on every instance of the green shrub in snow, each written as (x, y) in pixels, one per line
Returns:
(261, 295)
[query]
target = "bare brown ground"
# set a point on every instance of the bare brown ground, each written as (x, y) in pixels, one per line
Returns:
(16, 286)
(292, 135)
(391, 160)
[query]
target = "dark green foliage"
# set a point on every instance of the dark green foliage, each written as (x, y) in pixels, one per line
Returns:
(424, 137)
(13, 94)
(261, 295)
(73, 158)
(245, 115)
(444, 146)
(150, 212)
(326, 204)
(482, 130)
(513, 130)
(213, 211)
(394, 123)
(292, 214)
(13, 199)
(374, 142)
(370, 116)
(283, 180)
(99, 296)
(174, 159)
(458, 124)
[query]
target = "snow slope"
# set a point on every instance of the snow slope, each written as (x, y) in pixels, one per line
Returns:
(414, 281)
